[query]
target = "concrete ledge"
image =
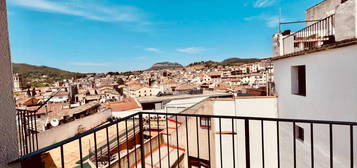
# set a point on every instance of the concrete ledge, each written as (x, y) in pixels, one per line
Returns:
(339, 44)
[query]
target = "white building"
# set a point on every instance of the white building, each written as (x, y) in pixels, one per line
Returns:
(314, 77)
(177, 106)
(18, 83)
(60, 97)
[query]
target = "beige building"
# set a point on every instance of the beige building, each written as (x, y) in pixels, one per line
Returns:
(144, 91)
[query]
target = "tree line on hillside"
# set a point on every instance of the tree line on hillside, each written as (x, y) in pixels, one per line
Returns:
(229, 61)
(43, 75)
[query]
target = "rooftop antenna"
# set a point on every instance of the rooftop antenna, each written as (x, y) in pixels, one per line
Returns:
(279, 20)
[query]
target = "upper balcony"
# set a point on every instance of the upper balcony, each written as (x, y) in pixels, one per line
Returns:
(313, 36)
(339, 26)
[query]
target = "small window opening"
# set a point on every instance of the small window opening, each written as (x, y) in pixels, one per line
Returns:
(298, 80)
(299, 133)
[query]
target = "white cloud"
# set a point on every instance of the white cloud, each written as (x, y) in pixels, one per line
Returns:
(156, 50)
(191, 50)
(87, 9)
(271, 21)
(91, 64)
(263, 3)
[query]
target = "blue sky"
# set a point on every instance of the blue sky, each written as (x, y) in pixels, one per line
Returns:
(122, 35)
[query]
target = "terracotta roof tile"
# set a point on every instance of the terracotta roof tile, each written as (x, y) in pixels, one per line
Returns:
(126, 104)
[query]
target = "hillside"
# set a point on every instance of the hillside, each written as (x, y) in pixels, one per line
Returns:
(165, 65)
(43, 74)
(203, 64)
(229, 61)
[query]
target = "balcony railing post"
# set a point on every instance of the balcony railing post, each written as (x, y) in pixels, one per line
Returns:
(141, 134)
(23, 123)
(247, 144)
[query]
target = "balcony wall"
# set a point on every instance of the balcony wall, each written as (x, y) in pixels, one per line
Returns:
(288, 44)
(70, 129)
(247, 106)
(8, 137)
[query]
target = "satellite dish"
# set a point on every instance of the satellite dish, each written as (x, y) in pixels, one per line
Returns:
(54, 122)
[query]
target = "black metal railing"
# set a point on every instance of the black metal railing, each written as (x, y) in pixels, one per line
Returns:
(27, 131)
(26, 122)
(314, 35)
(150, 139)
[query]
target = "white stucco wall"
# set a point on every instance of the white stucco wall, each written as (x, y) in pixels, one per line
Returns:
(8, 132)
(122, 114)
(254, 107)
(331, 94)
(346, 21)
(288, 45)
(322, 10)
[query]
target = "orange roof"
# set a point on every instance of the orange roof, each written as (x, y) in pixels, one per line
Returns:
(137, 87)
(237, 88)
(132, 83)
(125, 104)
(169, 82)
(215, 74)
(222, 86)
(184, 87)
(200, 75)
(51, 108)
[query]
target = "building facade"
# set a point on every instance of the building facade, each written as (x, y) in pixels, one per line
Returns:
(315, 82)
(8, 136)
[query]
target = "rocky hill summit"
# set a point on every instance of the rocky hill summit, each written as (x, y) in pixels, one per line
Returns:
(165, 65)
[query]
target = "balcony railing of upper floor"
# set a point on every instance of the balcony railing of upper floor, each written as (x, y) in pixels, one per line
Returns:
(191, 140)
(315, 35)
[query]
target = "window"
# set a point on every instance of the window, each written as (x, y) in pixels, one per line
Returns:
(205, 122)
(299, 133)
(298, 80)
